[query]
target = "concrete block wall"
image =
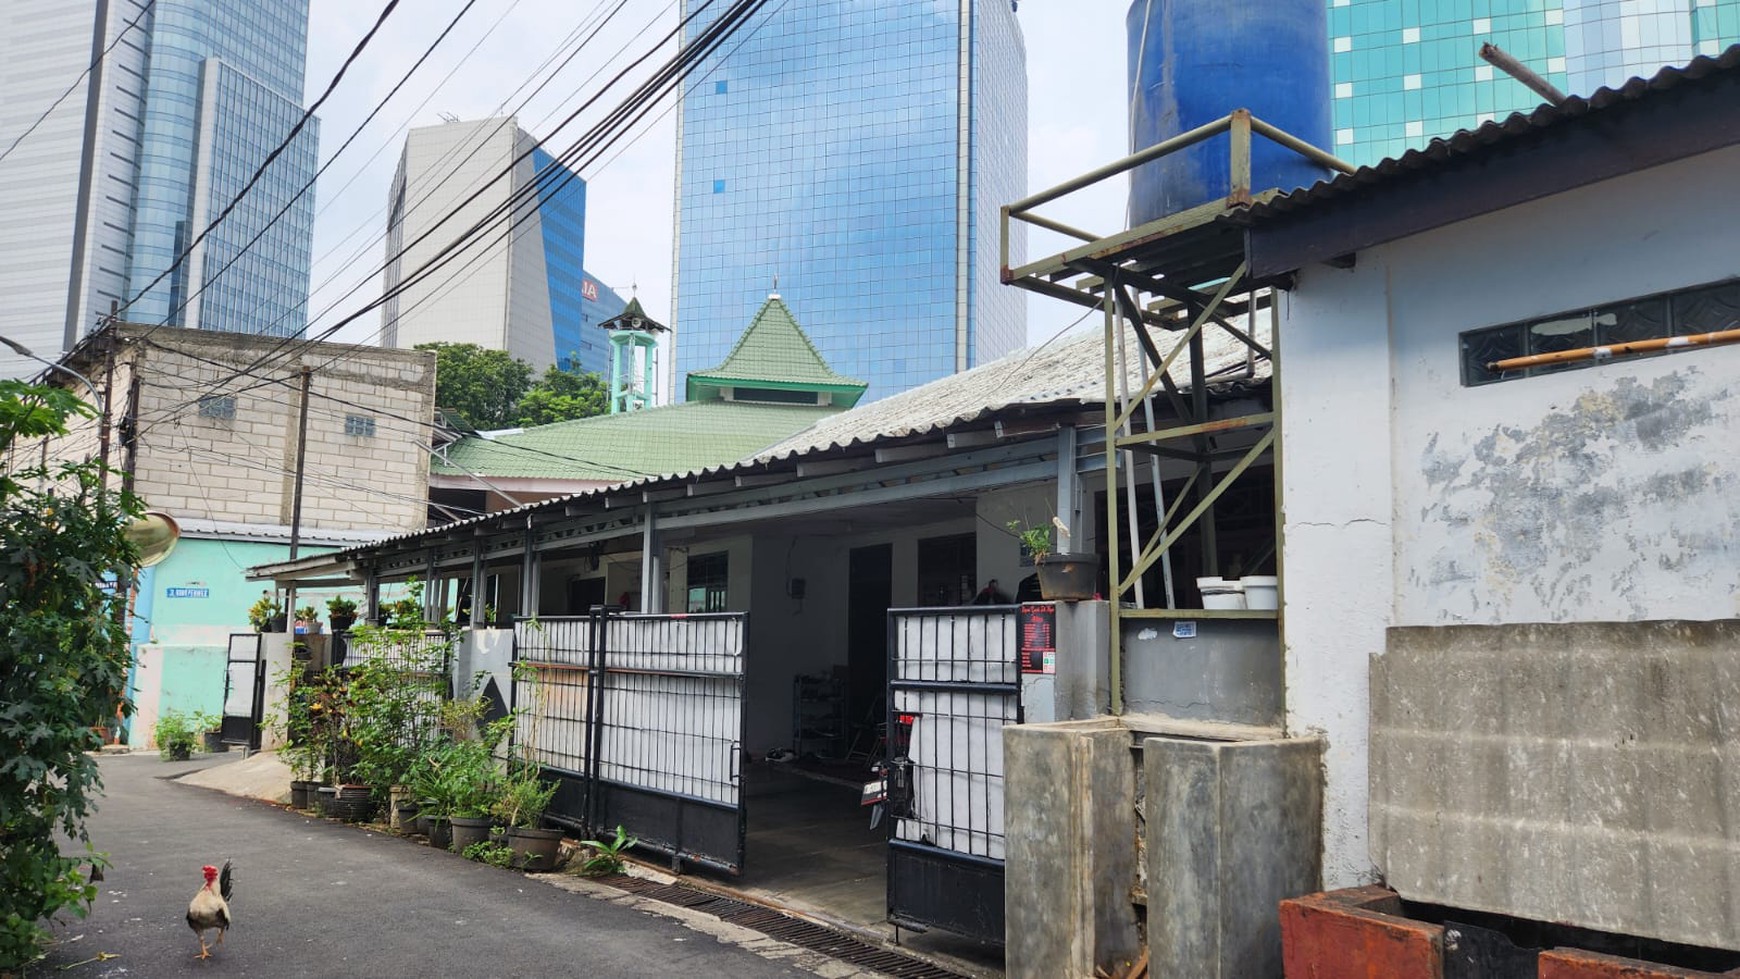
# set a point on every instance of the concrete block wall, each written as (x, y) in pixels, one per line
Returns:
(242, 469)
(1582, 773)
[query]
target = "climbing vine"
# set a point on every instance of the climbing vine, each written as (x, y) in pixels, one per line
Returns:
(65, 568)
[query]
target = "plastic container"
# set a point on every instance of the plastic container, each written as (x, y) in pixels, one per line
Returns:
(1262, 591)
(1219, 593)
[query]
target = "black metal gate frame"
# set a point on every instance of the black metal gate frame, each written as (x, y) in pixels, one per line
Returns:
(244, 731)
(931, 885)
(688, 828)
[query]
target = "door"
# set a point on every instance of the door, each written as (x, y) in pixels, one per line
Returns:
(953, 684)
(871, 591)
(244, 691)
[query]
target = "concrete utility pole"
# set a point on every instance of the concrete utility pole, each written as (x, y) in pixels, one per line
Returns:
(296, 494)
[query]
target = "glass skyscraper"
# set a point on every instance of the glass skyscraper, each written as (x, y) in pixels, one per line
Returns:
(857, 151)
(1406, 71)
(525, 291)
(120, 177)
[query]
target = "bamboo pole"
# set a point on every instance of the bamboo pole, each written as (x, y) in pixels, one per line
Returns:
(1612, 350)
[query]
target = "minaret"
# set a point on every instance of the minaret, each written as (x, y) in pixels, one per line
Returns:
(633, 350)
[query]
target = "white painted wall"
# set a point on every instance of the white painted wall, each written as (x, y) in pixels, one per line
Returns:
(1595, 494)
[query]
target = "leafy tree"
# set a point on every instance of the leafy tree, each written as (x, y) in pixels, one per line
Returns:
(479, 385)
(561, 396)
(63, 661)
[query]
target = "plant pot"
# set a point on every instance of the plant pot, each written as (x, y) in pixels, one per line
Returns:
(277, 623)
(301, 793)
(323, 798)
(214, 742)
(341, 623)
(405, 818)
(534, 849)
(354, 804)
(179, 752)
(468, 830)
(1068, 577)
(440, 832)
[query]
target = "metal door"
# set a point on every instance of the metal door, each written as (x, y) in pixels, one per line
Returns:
(640, 719)
(244, 691)
(953, 683)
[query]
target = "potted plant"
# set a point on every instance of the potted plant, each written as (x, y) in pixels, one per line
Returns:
(520, 806)
(176, 733)
(266, 614)
(308, 620)
(1062, 577)
(341, 612)
(211, 730)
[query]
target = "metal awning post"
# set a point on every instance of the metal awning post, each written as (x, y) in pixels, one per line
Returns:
(1114, 633)
(651, 563)
(529, 574)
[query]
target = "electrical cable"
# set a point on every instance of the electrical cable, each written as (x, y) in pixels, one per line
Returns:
(667, 76)
(82, 75)
(271, 157)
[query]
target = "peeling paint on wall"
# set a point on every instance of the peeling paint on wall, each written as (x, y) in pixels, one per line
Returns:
(1615, 506)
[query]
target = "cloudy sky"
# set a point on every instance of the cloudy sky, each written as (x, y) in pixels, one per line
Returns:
(1075, 70)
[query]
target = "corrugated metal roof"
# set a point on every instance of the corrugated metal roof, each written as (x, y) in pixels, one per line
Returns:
(1065, 372)
(1467, 143)
(196, 528)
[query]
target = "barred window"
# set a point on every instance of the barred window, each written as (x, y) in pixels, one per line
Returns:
(1706, 309)
(359, 425)
(222, 406)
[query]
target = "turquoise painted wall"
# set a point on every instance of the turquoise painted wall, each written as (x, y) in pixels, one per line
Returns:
(189, 605)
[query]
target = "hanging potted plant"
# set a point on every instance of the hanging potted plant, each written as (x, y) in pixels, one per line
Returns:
(341, 612)
(1062, 577)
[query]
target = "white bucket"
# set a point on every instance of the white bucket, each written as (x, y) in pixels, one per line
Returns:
(1262, 591)
(1219, 593)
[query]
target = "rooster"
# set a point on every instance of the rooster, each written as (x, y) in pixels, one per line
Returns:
(210, 907)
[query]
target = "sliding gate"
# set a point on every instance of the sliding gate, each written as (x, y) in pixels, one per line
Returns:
(639, 719)
(954, 681)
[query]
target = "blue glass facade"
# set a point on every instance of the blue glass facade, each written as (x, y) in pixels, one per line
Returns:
(857, 151)
(562, 221)
(223, 88)
(1407, 71)
(591, 349)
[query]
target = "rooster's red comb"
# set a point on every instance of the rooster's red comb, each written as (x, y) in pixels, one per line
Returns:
(209, 871)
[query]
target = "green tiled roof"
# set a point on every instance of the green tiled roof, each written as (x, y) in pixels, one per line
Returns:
(657, 441)
(775, 353)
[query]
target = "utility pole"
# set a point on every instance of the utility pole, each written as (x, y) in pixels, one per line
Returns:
(296, 494)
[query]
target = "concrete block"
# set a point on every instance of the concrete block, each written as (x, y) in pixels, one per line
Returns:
(1570, 963)
(1228, 671)
(1069, 874)
(1575, 773)
(1233, 828)
(1357, 933)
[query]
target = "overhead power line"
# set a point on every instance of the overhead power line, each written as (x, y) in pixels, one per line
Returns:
(77, 81)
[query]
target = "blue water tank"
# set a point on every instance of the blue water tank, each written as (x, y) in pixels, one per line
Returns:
(1194, 61)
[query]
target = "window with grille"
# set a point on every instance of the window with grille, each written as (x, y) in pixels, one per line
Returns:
(220, 406)
(1706, 309)
(708, 578)
(359, 425)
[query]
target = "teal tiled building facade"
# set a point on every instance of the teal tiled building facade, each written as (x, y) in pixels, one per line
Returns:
(1407, 71)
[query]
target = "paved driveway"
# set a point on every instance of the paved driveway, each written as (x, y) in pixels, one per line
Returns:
(315, 898)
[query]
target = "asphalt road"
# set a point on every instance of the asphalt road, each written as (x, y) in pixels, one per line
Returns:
(315, 898)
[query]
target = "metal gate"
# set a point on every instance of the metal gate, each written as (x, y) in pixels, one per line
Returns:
(244, 692)
(639, 719)
(954, 681)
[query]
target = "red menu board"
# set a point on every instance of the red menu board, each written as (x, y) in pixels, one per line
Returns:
(1036, 628)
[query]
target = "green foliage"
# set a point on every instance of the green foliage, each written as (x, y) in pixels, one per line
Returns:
(1036, 541)
(606, 858)
(63, 660)
(307, 614)
(390, 710)
(561, 396)
(483, 387)
(179, 732)
(339, 606)
(494, 854)
(524, 796)
(295, 725)
(264, 609)
(406, 613)
(458, 775)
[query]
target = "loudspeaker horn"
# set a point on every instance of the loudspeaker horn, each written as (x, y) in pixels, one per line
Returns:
(154, 535)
